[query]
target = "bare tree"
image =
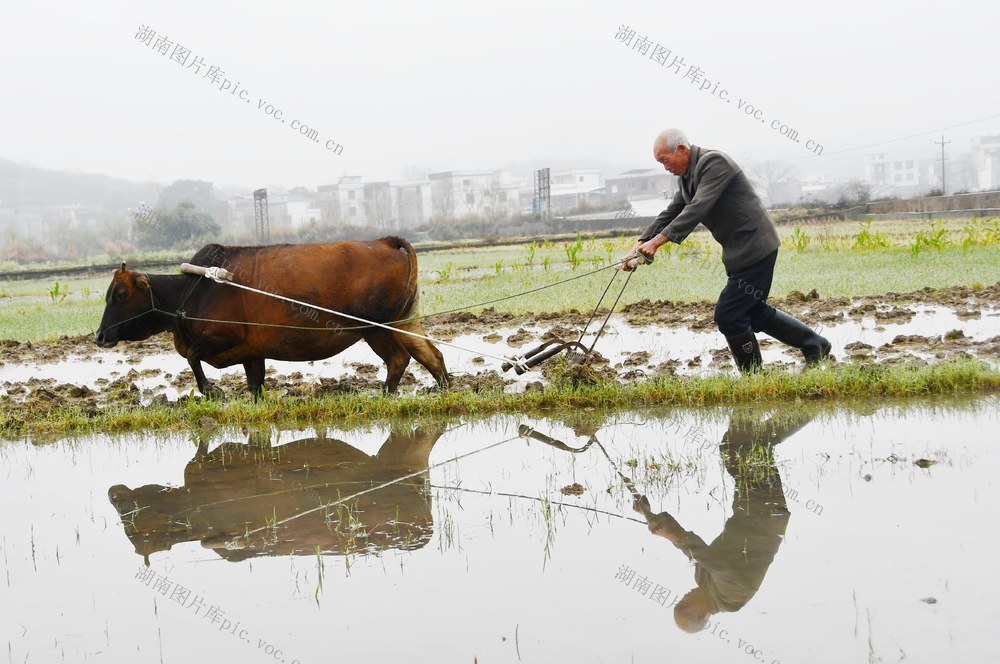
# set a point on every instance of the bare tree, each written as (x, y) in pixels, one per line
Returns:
(768, 175)
(496, 202)
(380, 208)
(414, 172)
(862, 190)
(443, 199)
(468, 197)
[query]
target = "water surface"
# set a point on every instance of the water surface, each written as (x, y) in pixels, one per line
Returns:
(803, 534)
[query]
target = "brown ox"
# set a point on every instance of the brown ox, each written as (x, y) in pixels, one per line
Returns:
(244, 500)
(223, 325)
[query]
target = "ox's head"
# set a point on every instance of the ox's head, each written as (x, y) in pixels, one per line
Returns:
(127, 304)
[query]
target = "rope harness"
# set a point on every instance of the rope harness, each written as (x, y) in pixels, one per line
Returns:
(519, 364)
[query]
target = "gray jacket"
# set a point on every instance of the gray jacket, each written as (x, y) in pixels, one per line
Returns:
(716, 193)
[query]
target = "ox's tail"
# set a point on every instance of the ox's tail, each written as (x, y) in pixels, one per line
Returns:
(412, 307)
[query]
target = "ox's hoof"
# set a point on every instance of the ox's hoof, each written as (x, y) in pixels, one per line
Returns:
(213, 391)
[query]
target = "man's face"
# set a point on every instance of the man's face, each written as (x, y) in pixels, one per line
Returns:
(676, 162)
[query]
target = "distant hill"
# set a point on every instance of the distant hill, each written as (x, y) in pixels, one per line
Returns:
(22, 186)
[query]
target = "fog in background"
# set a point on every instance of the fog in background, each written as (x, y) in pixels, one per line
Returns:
(481, 85)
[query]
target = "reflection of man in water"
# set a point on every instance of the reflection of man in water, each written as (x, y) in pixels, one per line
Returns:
(730, 569)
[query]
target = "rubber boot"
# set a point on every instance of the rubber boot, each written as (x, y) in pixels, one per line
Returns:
(795, 333)
(746, 352)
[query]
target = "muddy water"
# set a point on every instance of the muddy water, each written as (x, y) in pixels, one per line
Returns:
(807, 536)
(634, 352)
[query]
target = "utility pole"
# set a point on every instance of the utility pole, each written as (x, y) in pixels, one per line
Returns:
(942, 143)
(262, 222)
(543, 193)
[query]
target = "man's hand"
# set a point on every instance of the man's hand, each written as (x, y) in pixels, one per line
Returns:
(647, 248)
(641, 505)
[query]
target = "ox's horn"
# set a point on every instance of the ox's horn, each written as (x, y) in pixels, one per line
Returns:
(123, 267)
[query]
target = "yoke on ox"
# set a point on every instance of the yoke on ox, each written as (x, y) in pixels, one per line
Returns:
(223, 326)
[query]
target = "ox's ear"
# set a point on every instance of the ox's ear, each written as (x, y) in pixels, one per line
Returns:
(142, 281)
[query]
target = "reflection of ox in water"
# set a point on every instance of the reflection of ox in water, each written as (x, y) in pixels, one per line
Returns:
(224, 325)
(255, 500)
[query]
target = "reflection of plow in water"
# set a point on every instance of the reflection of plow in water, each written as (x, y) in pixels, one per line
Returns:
(528, 432)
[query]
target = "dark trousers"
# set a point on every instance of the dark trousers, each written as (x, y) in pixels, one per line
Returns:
(742, 304)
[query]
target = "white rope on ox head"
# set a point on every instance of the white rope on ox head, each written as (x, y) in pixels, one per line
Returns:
(217, 274)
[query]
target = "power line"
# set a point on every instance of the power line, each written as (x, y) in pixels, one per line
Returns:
(896, 140)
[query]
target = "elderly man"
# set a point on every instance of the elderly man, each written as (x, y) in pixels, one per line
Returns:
(715, 192)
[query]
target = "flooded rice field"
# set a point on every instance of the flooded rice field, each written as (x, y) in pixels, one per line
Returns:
(630, 349)
(751, 534)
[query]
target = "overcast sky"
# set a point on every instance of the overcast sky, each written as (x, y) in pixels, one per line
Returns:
(450, 85)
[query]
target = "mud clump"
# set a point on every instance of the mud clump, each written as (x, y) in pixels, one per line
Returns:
(364, 370)
(559, 332)
(858, 350)
(799, 296)
(667, 369)
(484, 381)
(123, 390)
(519, 338)
(908, 340)
(637, 359)
(569, 371)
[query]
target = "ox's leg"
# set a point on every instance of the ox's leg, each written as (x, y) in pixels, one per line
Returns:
(395, 357)
(205, 386)
(206, 347)
(255, 377)
(424, 352)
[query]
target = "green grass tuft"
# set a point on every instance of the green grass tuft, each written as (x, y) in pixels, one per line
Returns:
(841, 382)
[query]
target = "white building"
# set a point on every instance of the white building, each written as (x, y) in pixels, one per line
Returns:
(414, 204)
(571, 187)
(899, 177)
(986, 161)
(240, 212)
(344, 202)
(393, 205)
(292, 211)
(474, 192)
(640, 183)
(398, 205)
